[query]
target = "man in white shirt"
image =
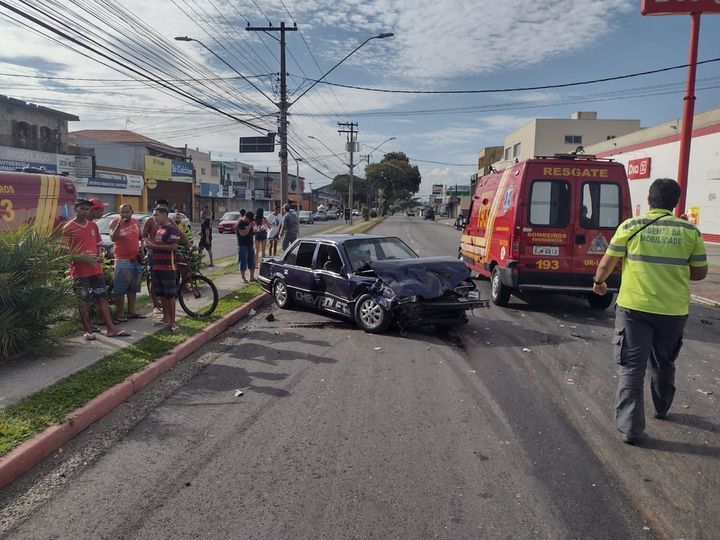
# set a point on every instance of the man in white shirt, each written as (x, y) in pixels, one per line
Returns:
(275, 222)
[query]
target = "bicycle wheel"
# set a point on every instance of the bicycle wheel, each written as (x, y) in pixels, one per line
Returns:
(197, 295)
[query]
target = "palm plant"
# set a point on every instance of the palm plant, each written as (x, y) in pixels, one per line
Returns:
(35, 292)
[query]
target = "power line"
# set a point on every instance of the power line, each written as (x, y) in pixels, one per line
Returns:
(517, 89)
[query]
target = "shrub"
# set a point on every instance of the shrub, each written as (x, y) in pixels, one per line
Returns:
(35, 292)
(366, 213)
(373, 213)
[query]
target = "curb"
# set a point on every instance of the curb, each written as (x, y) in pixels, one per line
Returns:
(33, 451)
(704, 301)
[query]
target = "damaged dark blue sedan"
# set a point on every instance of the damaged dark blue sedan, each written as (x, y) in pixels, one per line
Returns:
(376, 281)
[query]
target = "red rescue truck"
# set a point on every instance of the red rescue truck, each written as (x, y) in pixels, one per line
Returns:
(543, 224)
(42, 200)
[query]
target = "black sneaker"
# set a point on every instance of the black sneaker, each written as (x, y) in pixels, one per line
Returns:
(660, 415)
(632, 440)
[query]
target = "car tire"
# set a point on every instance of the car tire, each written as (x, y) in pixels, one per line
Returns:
(499, 293)
(597, 301)
(281, 294)
(371, 316)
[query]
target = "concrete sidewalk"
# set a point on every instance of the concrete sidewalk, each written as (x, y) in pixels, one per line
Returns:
(21, 377)
(706, 291)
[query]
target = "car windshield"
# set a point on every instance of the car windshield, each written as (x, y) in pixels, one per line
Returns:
(231, 216)
(366, 250)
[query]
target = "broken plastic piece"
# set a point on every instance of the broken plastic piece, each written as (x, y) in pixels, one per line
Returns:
(239, 393)
(527, 349)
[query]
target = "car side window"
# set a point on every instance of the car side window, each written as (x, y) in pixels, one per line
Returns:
(550, 203)
(328, 259)
(291, 257)
(303, 254)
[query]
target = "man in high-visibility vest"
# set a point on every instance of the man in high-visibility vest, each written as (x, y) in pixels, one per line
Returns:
(660, 253)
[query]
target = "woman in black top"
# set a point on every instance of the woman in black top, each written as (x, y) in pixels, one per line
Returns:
(261, 233)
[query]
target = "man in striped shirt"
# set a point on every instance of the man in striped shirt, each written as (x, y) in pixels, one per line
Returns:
(660, 254)
(162, 264)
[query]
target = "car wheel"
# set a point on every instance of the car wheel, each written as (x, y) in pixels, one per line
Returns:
(600, 302)
(499, 293)
(281, 294)
(371, 316)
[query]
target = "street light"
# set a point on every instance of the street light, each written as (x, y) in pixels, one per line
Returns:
(378, 146)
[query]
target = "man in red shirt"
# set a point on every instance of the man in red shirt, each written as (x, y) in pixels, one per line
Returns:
(126, 235)
(83, 237)
(162, 264)
(97, 209)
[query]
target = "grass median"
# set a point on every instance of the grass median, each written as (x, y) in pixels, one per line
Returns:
(51, 406)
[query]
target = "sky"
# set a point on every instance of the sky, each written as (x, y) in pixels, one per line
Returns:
(437, 46)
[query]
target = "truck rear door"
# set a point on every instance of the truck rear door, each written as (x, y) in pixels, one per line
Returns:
(546, 250)
(598, 206)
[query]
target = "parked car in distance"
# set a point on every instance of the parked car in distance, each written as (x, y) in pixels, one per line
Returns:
(460, 222)
(331, 214)
(376, 281)
(411, 213)
(320, 215)
(103, 224)
(228, 223)
(355, 212)
(430, 214)
(183, 218)
(305, 216)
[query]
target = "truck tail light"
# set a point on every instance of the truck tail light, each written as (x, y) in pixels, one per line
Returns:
(515, 247)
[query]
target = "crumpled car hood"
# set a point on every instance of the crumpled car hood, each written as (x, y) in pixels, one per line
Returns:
(429, 277)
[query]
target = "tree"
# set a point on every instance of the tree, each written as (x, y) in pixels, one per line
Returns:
(394, 177)
(341, 184)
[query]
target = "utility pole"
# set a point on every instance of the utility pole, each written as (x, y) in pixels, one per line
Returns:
(351, 130)
(283, 105)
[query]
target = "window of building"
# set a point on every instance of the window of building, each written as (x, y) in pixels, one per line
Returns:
(202, 170)
(516, 149)
(550, 203)
(573, 139)
(507, 153)
(600, 206)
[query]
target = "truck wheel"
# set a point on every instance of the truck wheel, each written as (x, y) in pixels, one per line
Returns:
(499, 293)
(371, 316)
(600, 302)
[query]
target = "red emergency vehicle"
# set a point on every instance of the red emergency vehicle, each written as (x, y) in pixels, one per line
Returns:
(543, 224)
(42, 200)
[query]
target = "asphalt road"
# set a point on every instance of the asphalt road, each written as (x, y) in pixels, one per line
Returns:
(225, 244)
(341, 434)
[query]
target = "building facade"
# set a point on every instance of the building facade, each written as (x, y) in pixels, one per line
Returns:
(654, 153)
(549, 136)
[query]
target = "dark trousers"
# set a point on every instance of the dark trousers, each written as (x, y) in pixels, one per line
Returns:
(640, 337)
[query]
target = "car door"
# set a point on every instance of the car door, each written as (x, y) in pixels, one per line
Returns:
(331, 287)
(298, 271)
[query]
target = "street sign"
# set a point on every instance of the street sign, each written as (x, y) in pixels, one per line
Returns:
(668, 7)
(252, 145)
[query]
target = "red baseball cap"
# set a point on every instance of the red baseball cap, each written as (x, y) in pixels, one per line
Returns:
(97, 203)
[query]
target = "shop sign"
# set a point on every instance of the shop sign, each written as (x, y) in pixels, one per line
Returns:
(111, 183)
(639, 168)
(665, 7)
(182, 171)
(437, 189)
(12, 159)
(157, 168)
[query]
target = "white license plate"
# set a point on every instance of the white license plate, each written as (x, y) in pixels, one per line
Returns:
(552, 251)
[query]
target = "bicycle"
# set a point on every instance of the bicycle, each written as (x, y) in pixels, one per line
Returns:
(197, 294)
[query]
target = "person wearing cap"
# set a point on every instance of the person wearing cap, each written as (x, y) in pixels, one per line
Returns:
(83, 237)
(97, 209)
(290, 226)
(660, 254)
